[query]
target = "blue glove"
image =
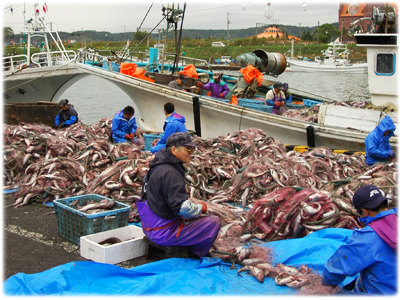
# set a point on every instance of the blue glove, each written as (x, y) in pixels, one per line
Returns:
(391, 153)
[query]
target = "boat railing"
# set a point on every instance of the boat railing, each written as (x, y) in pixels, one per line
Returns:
(55, 57)
(15, 62)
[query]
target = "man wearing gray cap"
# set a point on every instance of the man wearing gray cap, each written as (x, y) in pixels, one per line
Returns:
(371, 251)
(66, 116)
(178, 83)
(276, 98)
(169, 217)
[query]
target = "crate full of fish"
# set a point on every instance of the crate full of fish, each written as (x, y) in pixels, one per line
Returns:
(149, 139)
(87, 214)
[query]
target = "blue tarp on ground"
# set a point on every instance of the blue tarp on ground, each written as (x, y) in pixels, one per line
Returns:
(179, 276)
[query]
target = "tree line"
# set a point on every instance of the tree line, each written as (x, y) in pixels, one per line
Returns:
(324, 33)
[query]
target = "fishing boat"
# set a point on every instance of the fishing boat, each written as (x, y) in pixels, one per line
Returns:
(333, 59)
(215, 117)
(43, 76)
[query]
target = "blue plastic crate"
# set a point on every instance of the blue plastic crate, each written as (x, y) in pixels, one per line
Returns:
(308, 103)
(72, 223)
(259, 107)
(242, 101)
(294, 106)
(115, 67)
(149, 139)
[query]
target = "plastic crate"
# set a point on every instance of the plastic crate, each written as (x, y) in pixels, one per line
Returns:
(294, 106)
(259, 107)
(72, 223)
(308, 103)
(149, 139)
(249, 101)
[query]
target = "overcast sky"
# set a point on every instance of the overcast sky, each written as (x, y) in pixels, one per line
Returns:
(117, 16)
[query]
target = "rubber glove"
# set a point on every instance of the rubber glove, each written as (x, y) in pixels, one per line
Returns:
(221, 95)
(391, 153)
(204, 209)
(128, 136)
(199, 84)
(278, 103)
(155, 142)
(61, 125)
(132, 135)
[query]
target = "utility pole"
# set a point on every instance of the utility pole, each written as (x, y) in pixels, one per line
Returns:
(227, 16)
(300, 38)
(318, 33)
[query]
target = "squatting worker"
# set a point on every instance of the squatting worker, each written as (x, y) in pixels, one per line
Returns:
(169, 217)
(285, 90)
(370, 251)
(124, 125)
(219, 88)
(173, 123)
(276, 98)
(377, 146)
(67, 114)
(178, 83)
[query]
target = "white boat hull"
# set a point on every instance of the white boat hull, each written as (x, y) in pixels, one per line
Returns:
(298, 65)
(218, 118)
(39, 84)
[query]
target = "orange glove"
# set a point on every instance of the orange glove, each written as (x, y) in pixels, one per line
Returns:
(279, 103)
(199, 84)
(204, 209)
(132, 135)
(127, 136)
(222, 95)
(155, 142)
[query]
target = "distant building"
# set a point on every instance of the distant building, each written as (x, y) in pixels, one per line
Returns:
(71, 41)
(275, 33)
(364, 11)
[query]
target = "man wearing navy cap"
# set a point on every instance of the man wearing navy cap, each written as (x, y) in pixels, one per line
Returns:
(169, 217)
(370, 251)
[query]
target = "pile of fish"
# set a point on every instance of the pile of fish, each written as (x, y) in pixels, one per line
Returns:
(259, 190)
(311, 114)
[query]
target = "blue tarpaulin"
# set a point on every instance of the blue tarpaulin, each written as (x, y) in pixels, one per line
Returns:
(179, 276)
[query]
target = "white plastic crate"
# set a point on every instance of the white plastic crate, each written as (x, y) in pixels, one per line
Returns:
(132, 245)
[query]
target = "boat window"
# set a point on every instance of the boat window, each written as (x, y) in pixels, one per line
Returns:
(385, 63)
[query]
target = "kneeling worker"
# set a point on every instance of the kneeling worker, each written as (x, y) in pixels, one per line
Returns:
(169, 217)
(370, 251)
(377, 146)
(173, 123)
(67, 114)
(124, 125)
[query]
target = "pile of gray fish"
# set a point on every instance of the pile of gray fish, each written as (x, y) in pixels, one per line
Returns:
(311, 114)
(259, 190)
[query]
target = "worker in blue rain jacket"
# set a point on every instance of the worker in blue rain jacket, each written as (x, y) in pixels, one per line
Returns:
(276, 98)
(285, 90)
(173, 123)
(219, 89)
(370, 251)
(124, 126)
(66, 116)
(377, 146)
(169, 217)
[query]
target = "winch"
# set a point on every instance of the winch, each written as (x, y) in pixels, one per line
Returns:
(268, 63)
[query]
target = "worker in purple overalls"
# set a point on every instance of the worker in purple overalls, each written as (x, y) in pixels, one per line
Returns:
(276, 98)
(219, 89)
(169, 217)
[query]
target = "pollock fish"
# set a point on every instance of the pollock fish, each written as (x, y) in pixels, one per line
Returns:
(106, 203)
